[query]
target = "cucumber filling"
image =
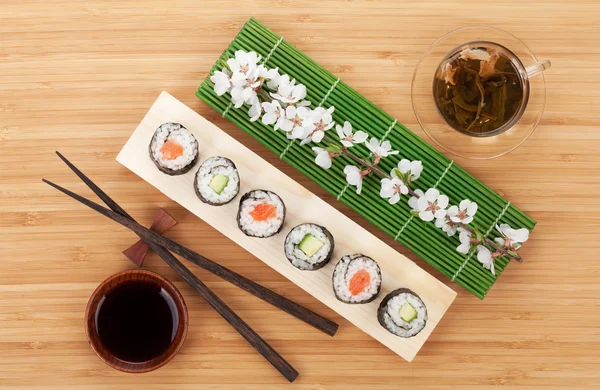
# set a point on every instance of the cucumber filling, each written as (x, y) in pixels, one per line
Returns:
(407, 312)
(218, 183)
(310, 245)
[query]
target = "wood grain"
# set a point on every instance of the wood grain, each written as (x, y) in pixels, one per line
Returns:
(302, 206)
(163, 249)
(163, 221)
(80, 75)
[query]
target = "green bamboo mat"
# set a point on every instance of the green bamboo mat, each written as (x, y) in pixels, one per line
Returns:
(325, 89)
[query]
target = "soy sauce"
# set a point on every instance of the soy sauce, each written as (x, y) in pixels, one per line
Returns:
(137, 321)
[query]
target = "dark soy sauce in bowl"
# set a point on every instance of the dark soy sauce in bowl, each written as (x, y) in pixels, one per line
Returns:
(137, 321)
(481, 89)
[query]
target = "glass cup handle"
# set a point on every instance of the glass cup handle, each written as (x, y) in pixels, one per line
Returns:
(537, 68)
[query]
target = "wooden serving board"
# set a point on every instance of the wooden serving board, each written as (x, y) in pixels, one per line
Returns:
(302, 206)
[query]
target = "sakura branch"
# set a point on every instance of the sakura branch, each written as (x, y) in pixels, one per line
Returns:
(279, 100)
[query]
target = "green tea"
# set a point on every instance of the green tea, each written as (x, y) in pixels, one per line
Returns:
(479, 89)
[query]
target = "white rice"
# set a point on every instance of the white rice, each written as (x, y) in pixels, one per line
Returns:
(208, 170)
(300, 259)
(346, 268)
(260, 228)
(176, 133)
(395, 324)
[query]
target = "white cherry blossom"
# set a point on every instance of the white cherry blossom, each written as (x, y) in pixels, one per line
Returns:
(244, 62)
(255, 111)
(464, 213)
(241, 95)
(465, 242)
(275, 114)
(317, 123)
(239, 79)
(288, 91)
(354, 177)
(432, 205)
(273, 78)
(347, 138)
(382, 149)
(486, 258)
(222, 81)
(297, 115)
(323, 158)
(411, 170)
(413, 202)
(392, 189)
(511, 238)
(267, 74)
(447, 225)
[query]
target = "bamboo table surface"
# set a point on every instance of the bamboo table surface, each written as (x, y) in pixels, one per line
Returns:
(79, 76)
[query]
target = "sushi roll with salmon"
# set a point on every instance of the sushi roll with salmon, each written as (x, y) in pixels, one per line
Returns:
(217, 181)
(261, 213)
(173, 149)
(403, 313)
(356, 279)
(309, 246)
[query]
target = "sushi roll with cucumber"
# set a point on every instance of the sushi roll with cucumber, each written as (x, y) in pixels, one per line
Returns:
(403, 313)
(261, 213)
(309, 246)
(173, 149)
(217, 181)
(356, 279)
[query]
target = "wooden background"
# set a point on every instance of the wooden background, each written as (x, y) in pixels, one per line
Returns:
(79, 76)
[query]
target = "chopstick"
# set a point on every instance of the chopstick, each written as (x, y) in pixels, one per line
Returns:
(267, 295)
(213, 300)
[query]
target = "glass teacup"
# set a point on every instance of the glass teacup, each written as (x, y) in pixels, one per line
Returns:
(511, 132)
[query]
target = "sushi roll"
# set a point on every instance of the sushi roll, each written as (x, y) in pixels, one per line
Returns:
(217, 181)
(261, 213)
(356, 279)
(402, 313)
(173, 149)
(309, 246)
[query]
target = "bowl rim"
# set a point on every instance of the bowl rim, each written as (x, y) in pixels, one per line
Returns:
(90, 321)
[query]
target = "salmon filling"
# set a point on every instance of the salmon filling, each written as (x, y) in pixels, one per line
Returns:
(171, 150)
(264, 212)
(360, 281)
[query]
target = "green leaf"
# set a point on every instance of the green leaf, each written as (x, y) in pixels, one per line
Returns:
(405, 177)
(478, 234)
(333, 148)
(223, 62)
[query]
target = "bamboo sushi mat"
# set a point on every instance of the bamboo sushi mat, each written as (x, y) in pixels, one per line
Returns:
(324, 89)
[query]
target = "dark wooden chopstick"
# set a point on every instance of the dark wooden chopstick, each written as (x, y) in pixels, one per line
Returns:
(114, 206)
(269, 296)
(229, 315)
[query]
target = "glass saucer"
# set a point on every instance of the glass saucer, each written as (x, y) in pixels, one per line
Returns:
(465, 145)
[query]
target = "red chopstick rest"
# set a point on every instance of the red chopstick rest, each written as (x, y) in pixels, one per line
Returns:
(163, 221)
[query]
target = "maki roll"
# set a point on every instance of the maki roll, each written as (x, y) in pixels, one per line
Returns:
(309, 246)
(173, 149)
(356, 279)
(217, 181)
(402, 313)
(261, 213)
